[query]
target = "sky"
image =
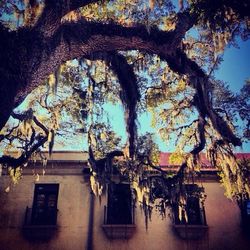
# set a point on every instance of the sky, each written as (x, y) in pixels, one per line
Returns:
(235, 69)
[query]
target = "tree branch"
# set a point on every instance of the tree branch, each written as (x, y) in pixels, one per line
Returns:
(197, 78)
(50, 19)
(130, 94)
(25, 156)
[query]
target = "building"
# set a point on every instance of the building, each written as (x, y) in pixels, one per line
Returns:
(53, 208)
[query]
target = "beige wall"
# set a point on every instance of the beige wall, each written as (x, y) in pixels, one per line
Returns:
(73, 204)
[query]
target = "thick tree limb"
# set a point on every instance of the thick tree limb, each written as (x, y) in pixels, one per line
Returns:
(130, 94)
(197, 78)
(50, 19)
(83, 38)
(32, 57)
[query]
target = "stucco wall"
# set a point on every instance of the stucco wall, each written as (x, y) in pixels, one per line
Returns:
(72, 215)
(74, 204)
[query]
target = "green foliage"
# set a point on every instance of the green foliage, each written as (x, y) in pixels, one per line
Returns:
(130, 12)
(15, 174)
(103, 140)
(223, 19)
(177, 158)
(147, 149)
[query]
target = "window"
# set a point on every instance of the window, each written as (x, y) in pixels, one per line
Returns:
(119, 210)
(44, 210)
(245, 213)
(119, 213)
(192, 212)
(189, 214)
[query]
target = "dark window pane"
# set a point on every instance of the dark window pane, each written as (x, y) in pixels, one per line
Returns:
(44, 209)
(248, 208)
(119, 204)
(52, 199)
(193, 211)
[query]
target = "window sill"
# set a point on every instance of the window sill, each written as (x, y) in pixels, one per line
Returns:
(39, 232)
(116, 231)
(191, 232)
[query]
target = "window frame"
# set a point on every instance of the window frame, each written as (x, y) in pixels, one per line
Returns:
(44, 208)
(119, 204)
(193, 205)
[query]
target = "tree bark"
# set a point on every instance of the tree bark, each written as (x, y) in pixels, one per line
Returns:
(30, 55)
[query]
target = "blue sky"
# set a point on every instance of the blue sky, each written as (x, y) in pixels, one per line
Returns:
(235, 69)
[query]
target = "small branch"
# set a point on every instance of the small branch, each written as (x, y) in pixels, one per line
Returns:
(130, 93)
(40, 125)
(202, 140)
(17, 162)
(178, 177)
(29, 149)
(2, 137)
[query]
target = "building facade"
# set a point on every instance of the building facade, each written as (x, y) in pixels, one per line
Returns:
(53, 208)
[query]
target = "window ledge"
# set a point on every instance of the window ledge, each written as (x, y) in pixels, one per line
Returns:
(39, 232)
(119, 231)
(191, 232)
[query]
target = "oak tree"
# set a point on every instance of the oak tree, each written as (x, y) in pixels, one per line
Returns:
(152, 50)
